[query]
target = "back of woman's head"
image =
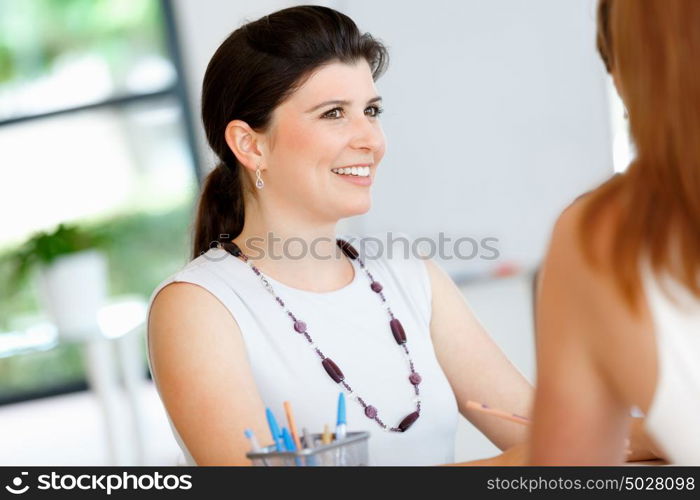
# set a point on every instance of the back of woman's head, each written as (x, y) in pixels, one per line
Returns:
(652, 47)
(249, 75)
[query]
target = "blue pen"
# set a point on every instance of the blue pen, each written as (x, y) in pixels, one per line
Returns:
(289, 444)
(340, 430)
(287, 440)
(341, 423)
(274, 430)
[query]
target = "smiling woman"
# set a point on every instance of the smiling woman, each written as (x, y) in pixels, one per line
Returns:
(290, 107)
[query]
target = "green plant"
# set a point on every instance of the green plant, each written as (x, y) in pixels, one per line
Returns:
(43, 248)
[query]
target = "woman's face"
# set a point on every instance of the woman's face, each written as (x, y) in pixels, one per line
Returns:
(330, 122)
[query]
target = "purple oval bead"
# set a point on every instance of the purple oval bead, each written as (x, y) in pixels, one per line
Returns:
(414, 378)
(376, 286)
(397, 330)
(347, 249)
(300, 326)
(408, 421)
(333, 370)
(371, 411)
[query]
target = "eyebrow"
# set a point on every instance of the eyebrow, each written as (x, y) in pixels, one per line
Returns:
(340, 103)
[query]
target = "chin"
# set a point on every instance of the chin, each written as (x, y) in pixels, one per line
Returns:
(360, 207)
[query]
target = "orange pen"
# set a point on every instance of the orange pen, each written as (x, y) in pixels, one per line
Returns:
(473, 405)
(292, 425)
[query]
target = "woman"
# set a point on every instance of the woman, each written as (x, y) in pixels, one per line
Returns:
(288, 100)
(619, 311)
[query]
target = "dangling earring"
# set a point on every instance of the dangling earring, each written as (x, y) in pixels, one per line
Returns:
(259, 182)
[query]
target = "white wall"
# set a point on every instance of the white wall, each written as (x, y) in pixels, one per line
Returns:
(496, 117)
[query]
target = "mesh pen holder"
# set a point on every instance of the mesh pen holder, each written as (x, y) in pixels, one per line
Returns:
(351, 451)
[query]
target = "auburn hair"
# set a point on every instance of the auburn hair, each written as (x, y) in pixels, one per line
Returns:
(652, 48)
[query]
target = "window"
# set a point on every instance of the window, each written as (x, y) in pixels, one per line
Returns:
(94, 127)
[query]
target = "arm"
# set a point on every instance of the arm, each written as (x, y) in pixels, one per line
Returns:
(476, 368)
(579, 416)
(203, 375)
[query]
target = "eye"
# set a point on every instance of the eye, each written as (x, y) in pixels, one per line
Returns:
(333, 114)
(374, 111)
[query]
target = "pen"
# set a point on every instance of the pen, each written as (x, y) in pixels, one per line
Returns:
(326, 439)
(274, 430)
(289, 444)
(517, 418)
(340, 426)
(255, 447)
(308, 440)
(498, 413)
(292, 425)
(309, 445)
(287, 440)
(340, 430)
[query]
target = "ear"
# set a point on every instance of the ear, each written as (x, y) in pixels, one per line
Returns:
(245, 143)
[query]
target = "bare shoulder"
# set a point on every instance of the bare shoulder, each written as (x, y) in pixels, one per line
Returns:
(188, 302)
(187, 313)
(568, 238)
(437, 275)
(203, 374)
(578, 253)
(448, 302)
(582, 289)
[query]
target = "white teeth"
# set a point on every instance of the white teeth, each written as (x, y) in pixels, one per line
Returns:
(357, 171)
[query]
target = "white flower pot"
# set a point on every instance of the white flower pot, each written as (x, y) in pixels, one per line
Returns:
(72, 290)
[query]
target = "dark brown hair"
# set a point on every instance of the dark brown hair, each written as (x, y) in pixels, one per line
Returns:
(653, 47)
(251, 73)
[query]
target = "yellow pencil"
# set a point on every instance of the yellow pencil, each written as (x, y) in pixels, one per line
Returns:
(292, 425)
(473, 405)
(327, 438)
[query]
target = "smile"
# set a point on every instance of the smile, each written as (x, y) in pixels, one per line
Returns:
(357, 171)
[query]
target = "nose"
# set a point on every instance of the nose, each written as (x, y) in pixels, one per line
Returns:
(367, 134)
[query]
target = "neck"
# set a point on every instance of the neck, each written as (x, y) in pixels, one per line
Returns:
(296, 252)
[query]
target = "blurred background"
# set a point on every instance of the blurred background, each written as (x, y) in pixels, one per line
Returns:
(497, 115)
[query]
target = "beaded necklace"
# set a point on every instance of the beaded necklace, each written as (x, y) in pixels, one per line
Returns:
(331, 368)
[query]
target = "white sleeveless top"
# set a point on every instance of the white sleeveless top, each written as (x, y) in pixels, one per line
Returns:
(672, 419)
(351, 326)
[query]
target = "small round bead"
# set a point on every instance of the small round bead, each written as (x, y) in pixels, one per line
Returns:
(371, 411)
(376, 286)
(300, 326)
(414, 378)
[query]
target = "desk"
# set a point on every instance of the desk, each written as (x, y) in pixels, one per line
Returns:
(114, 349)
(648, 463)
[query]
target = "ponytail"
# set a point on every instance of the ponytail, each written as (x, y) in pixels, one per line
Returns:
(220, 209)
